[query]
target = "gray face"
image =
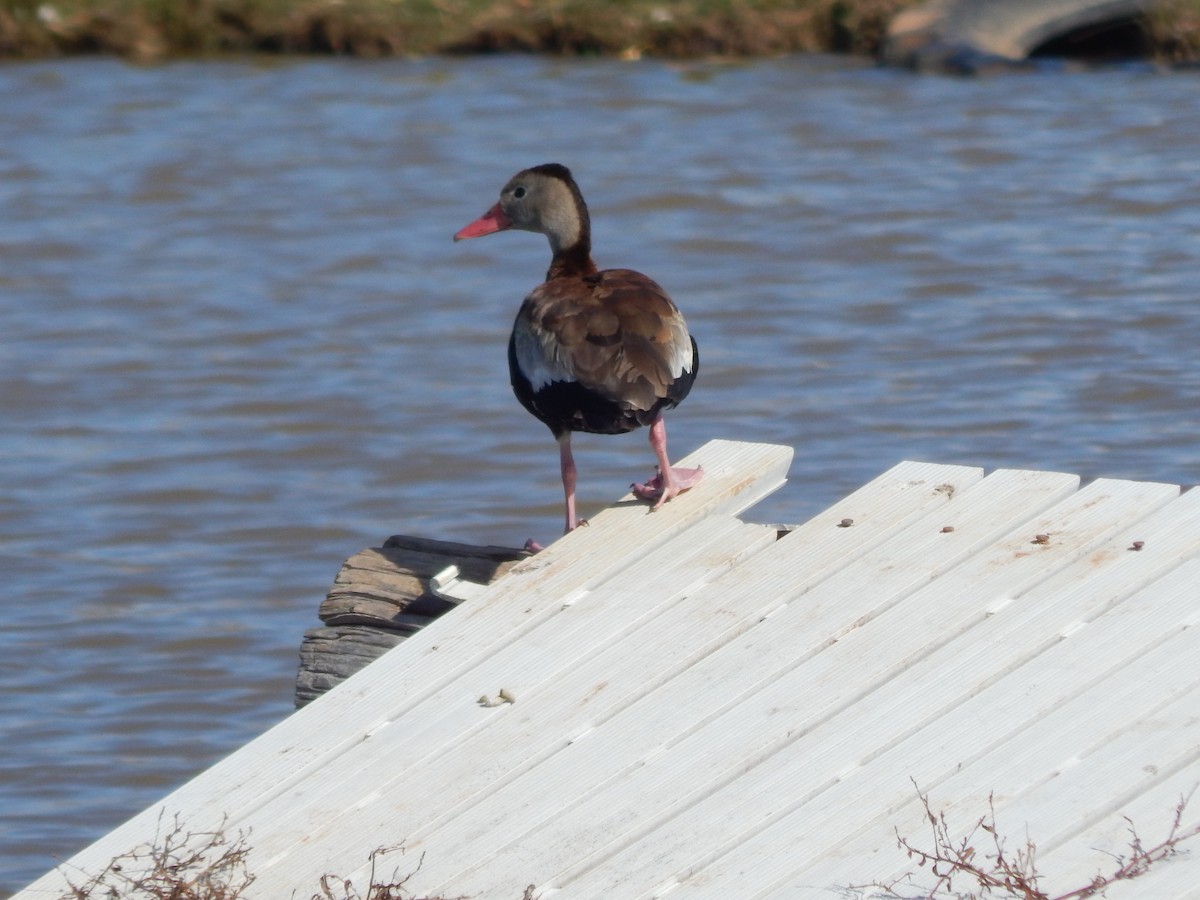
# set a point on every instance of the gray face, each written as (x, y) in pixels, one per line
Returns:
(537, 202)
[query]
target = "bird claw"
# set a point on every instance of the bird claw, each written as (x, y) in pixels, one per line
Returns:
(651, 490)
(655, 489)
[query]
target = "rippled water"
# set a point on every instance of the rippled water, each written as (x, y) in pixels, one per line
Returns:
(238, 344)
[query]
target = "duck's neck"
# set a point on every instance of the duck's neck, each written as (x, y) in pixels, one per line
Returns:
(570, 236)
(573, 262)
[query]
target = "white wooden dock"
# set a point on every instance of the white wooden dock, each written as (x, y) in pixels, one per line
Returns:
(701, 709)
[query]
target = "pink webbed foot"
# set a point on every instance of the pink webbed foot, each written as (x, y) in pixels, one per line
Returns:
(661, 490)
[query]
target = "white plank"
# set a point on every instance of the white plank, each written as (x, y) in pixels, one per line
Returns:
(825, 686)
(737, 475)
(1171, 879)
(435, 764)
(854, 853)
(822, 833)
(1058, 792)
(971, 746)
(703, 711)
(626, 670)
(714, 685)
(1096, 849)
(1058, 614)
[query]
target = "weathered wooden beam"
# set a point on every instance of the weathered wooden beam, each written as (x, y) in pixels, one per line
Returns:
(379, 597)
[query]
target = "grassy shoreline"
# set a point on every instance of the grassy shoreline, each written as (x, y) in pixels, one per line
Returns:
(157, 29)
(151, 30)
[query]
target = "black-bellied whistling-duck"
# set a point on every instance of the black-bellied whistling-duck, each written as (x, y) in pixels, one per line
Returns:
(598, 351)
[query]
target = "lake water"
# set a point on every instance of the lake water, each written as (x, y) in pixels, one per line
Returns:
(239, 345)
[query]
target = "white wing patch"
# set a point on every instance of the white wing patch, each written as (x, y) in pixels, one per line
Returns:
(681, 357)
(537, 361)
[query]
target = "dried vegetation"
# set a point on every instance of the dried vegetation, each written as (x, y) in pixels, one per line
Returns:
(981, 864)
(177, 865)
(184, 865)
(180, 864)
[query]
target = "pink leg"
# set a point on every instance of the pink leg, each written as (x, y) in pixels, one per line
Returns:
(567, 463)
(668, 482)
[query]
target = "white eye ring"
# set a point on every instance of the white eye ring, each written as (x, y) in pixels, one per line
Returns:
(519, 193)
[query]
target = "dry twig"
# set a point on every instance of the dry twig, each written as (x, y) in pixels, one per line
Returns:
(335, 888)
(206, 865)
(178, 865)
(996, 872)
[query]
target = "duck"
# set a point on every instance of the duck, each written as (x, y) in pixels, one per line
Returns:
(600, 351)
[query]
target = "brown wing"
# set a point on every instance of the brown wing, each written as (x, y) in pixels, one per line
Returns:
(615, 332)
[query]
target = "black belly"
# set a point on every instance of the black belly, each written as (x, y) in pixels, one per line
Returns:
(566, 406)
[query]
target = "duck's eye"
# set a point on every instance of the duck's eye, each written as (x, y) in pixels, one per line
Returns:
(519, 193)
